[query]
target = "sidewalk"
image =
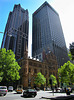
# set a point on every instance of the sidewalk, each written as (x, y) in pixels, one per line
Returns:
(63, 97)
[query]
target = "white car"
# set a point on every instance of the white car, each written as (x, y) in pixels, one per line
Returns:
(3, 90)
(10, 88)
(58, 89)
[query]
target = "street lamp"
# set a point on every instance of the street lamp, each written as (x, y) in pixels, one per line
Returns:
(7, 34)
(1, 32)
(12, 31)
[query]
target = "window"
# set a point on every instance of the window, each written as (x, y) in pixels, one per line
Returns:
(53, 73)
(37, 57)
(30, 63)
(19, 46)
(29, 69)
(45, 72)
(35, 64)
(20, 28)
(35, 70)
(24, 69)
(19, 50)
(23, 62)
(45, 66)
(41, 70)
(40, 65)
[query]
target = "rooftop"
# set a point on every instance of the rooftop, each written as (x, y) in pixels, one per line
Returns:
(44, 4)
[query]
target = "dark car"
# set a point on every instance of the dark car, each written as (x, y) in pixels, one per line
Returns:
(30, 92)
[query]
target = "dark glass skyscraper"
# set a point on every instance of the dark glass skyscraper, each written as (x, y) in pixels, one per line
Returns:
(47, 34)
(16, 31)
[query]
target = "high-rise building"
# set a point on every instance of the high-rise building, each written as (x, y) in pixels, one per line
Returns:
(47, 34)
(16, 31)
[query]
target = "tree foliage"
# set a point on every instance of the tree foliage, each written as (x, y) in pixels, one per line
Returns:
(40, 79)
(1, 73)
(9, 68)
(53, 78)
(71, 54)
(66, 73)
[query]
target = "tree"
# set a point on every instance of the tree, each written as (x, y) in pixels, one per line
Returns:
(9, 68)
(1, 73)
(71, 54)
(52, 80)
(66, 73)
(40, 79)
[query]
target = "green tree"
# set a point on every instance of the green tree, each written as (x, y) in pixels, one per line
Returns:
(71, 54)
(53, 78)
(1, 73)
(9, 68)
(40, 79)
(66, 73)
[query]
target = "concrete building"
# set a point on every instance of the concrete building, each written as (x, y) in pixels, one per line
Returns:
(16, 31)
(47, 34)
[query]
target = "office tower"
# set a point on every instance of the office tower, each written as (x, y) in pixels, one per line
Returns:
(47, 34)
(16, 31)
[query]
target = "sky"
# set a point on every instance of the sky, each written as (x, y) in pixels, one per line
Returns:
(65, 9)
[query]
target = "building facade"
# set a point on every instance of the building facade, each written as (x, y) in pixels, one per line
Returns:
(16, 31)
(31, 66)
(47, 34)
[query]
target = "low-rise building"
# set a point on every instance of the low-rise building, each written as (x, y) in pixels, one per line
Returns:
(31, 66)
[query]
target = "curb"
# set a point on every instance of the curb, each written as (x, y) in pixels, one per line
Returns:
(60, 97)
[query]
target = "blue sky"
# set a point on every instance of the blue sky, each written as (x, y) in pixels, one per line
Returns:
(63, 7)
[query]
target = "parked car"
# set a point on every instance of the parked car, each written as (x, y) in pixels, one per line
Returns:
(3, 90)
(37, 88)
(19, 89)
(47, 89)
(58, 89)
(63, 90)
(30, 92)
(10, 88)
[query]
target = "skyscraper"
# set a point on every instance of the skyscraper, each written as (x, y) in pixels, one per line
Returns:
(47, 34)
(16, 31)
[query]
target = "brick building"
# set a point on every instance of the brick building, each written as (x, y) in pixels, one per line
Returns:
(31, 66)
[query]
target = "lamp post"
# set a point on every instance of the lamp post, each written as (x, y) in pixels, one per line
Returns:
(13, 31)
(1, 32)
(7, 34)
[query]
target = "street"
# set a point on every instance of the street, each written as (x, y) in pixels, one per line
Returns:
(40, 95)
